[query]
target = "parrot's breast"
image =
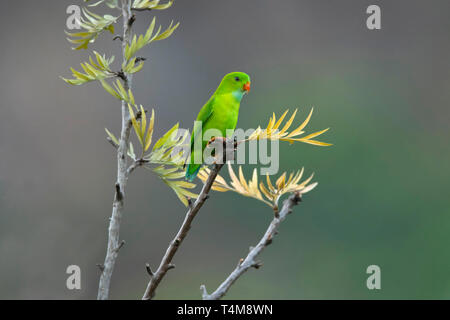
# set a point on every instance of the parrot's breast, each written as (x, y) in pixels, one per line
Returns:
(226, 112)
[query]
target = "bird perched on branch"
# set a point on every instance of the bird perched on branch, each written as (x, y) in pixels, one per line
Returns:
(220, 113)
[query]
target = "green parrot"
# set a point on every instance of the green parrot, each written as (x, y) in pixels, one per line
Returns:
(220, 112)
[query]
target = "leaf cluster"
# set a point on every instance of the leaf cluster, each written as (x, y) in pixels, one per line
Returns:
(273, 131)
(93, 70)
(138, 42)
(268, 193)
(93, 24)
(166, 158)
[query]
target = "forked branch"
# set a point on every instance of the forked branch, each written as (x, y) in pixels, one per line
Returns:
(250, 260)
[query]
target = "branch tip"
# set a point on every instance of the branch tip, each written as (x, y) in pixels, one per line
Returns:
(205, 294)
(149, 270)
(170, 266)
(115, 145)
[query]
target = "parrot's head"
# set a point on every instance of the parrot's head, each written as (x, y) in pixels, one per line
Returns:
(235, 82)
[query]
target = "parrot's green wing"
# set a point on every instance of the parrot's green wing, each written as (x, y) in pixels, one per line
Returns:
(204, 115)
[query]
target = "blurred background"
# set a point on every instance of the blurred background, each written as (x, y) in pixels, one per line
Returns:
(383, 187)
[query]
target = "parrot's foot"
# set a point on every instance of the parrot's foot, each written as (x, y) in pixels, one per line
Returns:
(224, 149)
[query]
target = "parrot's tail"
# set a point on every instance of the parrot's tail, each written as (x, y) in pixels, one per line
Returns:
(192, 171)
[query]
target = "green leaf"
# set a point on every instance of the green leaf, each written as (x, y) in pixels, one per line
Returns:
(113, 138)
(179, 186)
(93, 24)
(167, 33)
(137, 43)
(131, 97)
(151, 5)
(94, 70)
(110, 90)
(166, 136)
(110, 3)
(121, 91)
(148, 137)
(131, 151)
(136, 125)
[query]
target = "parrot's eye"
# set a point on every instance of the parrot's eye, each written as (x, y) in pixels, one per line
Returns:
(236, 78)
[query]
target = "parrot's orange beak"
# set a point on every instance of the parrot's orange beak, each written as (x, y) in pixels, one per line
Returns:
(246, 87)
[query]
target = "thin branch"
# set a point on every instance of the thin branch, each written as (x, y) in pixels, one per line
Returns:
(166, 262)
(114, 243)
(250, 261)
(136, 164)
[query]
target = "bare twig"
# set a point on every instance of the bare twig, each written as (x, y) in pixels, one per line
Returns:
(149, 270)
(114, 243)
(166, 262)
(250, 261)
(136, 164)
(115, 145)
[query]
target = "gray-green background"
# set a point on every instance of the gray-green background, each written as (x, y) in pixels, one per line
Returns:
(383, 192)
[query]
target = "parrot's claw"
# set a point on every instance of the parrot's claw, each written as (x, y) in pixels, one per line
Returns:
(221, 144)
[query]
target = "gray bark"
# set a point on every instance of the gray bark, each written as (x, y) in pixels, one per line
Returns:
(166, 262)
(250, 261)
